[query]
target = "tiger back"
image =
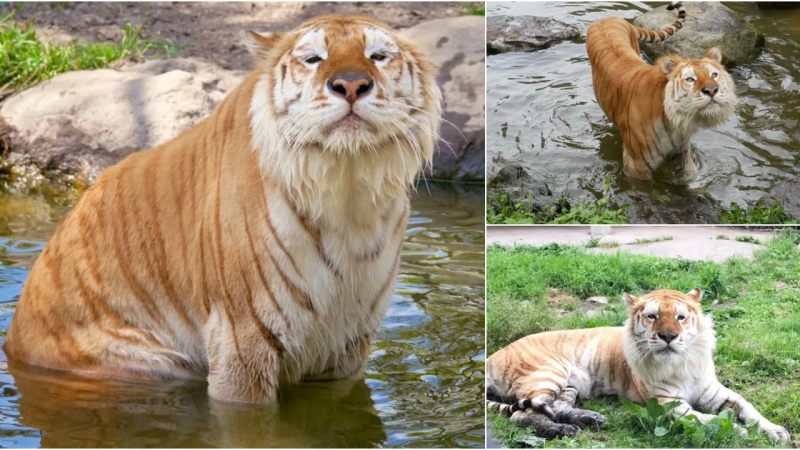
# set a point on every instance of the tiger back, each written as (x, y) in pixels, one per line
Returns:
(257, 248)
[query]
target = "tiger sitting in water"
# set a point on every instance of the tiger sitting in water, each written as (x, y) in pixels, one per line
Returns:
(663, 351)
(259, 247)
(657, 108)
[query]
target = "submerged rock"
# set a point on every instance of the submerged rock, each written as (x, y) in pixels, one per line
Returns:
(525, 33)
(708, 24)
(451, 45)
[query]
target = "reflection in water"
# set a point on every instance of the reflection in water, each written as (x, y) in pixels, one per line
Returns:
(542, 114)
(423, 386)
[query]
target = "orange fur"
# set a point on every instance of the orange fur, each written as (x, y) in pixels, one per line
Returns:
(656, 109)
(240, 251)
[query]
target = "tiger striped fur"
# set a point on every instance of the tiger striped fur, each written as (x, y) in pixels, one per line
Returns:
(259, 247)
(658, 108)
(664, 350)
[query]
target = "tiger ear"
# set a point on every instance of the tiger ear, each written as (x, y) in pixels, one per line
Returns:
(714, 54)
(630, 300)
(260, 44)
(695, 295)
(669, 63)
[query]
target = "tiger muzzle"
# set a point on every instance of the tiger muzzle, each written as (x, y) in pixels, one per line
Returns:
(350, 85)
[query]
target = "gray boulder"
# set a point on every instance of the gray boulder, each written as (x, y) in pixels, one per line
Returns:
(708, 24)
(461, 59)
(519, 186)
(525, 33)
(84, 121)
(787, 192)
(678, 210)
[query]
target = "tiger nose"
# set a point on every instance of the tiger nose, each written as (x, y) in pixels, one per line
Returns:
(710, 90)
(667, 336)
(350, 85)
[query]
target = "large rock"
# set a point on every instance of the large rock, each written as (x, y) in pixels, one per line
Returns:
(87, 120)
(708, 24)
(82, 122)
(451, 44)
(525, 33)
(643, 208)
(519, 186)
(787, 192)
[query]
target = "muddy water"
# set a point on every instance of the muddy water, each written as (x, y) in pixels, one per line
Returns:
(424, 380)
(542, 114)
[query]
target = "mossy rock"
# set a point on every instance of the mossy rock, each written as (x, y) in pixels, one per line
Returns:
(708, 24)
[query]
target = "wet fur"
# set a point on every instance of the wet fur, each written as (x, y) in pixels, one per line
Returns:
(259, 247)
(656, 110)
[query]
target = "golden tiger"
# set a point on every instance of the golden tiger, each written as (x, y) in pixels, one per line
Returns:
(664, 350)
(657, 108)
(257, 248)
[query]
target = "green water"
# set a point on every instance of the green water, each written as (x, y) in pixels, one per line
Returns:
(424, 381)
(542, 114)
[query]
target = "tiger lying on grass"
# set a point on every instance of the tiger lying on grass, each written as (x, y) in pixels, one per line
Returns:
(664, 350)
(656, 107)
(259, 247)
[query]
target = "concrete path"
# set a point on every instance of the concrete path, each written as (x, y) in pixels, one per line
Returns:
(698, 243)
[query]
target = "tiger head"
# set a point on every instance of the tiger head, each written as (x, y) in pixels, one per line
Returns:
(344, 96)
(699, 93)
(667, 326)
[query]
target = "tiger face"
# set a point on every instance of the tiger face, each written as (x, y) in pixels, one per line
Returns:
(346, 84)
(665, 324)
(698, 92)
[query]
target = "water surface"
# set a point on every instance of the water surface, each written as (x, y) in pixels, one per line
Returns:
(423, 386)
(542, 114)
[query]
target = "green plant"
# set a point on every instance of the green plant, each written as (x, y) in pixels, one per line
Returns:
(503, 210)
(653, 240)
(661, 197)
(475, 9)
(765, 215)
(27, 60)
(609, 244)
(748, 238)
(592, 242)
(722, 237)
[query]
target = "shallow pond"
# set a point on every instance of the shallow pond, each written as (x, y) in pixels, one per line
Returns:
(424, 382)
(542, 114)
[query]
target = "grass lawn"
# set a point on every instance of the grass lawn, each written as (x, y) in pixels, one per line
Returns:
(756, 309)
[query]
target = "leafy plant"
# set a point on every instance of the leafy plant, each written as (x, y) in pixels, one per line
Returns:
(599, 211)
(475, 9)
(660, 197)
(722, 237)
(764, 215)
(592, 242)
(748, 238)
(653, 240)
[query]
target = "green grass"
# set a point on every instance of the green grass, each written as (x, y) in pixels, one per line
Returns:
(764, 215)
(764, 367)
(748, 239)
(475, 9)
(722, 237)
(653, 240)
(26, 60)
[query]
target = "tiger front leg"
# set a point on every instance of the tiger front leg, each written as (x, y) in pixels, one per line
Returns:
(719, 398)
(349, 365)
(683, 164)
(635, 166)
(243, 365)
(564, 408)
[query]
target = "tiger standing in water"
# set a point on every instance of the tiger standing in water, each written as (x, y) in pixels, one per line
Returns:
(259, 247)
(663, 351)
(658, 108)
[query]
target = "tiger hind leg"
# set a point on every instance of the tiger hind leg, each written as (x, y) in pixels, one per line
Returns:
(564, 408)
(542, 425)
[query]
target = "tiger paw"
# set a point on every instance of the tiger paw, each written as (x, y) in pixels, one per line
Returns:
(583, 418)
(776, 432)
